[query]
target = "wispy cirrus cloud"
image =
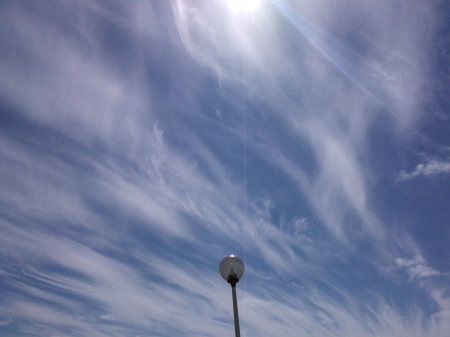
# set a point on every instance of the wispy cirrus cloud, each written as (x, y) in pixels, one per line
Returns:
(431, 168)
(332, 130)
(417, 268)
(143, 141)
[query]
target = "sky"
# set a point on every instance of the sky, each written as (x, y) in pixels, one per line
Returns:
(143, 141)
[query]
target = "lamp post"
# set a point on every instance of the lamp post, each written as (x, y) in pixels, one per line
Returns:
(232, 268)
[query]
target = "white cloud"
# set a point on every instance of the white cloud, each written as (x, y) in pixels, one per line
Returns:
(145, 178)
(5, 322)
(417, 268)
(431, 168)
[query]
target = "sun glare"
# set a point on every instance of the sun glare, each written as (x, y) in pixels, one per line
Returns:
(243, 6)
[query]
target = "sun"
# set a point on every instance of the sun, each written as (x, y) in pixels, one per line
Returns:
(243, 6)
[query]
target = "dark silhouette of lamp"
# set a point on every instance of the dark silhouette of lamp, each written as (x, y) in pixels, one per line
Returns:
(232, 268)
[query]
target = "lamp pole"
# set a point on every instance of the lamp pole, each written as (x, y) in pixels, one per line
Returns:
(231, 269)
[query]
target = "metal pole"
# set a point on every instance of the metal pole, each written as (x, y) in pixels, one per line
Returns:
(235, 309)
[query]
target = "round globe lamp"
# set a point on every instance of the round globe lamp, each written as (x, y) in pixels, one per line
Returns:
(231, 269)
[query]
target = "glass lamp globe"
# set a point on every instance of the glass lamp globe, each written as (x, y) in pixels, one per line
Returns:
(231, 264)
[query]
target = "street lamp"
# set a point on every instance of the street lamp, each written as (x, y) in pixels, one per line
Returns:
(232, 268)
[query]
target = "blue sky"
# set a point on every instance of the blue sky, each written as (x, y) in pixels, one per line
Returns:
(143, 141)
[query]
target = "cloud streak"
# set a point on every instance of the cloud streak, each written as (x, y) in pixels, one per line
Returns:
(431, 168)
(140, 142)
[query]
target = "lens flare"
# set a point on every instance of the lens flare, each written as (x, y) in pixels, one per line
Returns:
(243, 6)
